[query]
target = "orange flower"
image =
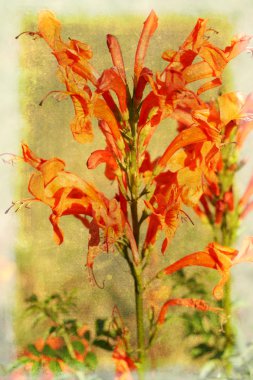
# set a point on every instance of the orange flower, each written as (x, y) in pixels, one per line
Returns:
(123, 363)
(217, 257)
(148, 30)
(165, 207)
(186, 302)
(68, 194)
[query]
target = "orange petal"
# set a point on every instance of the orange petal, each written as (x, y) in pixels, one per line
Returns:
(58, 235)
(111, 80)
(103, 112)
(148, 30)
(186, 302)
(50, 29)
(115, 51)
(188, 136)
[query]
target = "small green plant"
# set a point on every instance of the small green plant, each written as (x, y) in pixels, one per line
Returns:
(66, 348)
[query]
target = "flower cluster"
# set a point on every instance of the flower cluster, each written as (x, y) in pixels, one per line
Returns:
(150, 193)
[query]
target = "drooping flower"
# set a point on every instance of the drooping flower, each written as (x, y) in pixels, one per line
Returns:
(186, 302)
(215, 256)
(67, 194)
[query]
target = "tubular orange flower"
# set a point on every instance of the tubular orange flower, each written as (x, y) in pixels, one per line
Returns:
(165, 207)
(117, 59)
(149, 28)
(68, 194)
(215, 256)
(186, 302)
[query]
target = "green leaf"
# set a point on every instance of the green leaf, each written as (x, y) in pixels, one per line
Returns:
(33, 350)
(20, 362)
(64, 354)
(201, 349)
(55, 366)
(104, 344)
(48, 351)
(52, 329)
(78, 346)
(91, 360)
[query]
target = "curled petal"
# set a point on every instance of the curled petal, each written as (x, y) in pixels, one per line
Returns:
(103, 157)
(58, 235)
(188, 136)
(99, 157)
(186, 302)
(215, 257)
(30, 157)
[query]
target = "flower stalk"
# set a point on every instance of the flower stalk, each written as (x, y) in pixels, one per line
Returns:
(159, 187)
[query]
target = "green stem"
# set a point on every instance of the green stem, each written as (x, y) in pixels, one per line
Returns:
(69, 345)
(138, 287)
(229, 328)
(140, 327)
(227, 306)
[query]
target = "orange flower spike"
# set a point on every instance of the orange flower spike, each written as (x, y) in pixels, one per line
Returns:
(150, 26)
(186, 302)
